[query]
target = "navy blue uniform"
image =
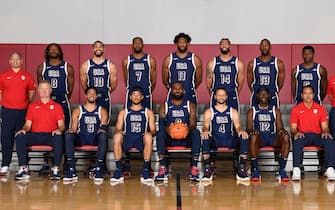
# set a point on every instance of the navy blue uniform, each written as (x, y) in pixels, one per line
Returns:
(139, 75)
(183, 70)
(222, 130)
(310, 76)
(135, 125)
(265, 75)
(264, 121)
(58, 76)
(98, 76)
(225, 76)
(180, 113)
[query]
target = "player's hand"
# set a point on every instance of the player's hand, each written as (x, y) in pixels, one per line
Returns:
(243, 134)
(253, 132)
(326, 135)
(283, 132)
(205, 135)
(101, 131)
(298, 135)
(20, 132)
(56, 132)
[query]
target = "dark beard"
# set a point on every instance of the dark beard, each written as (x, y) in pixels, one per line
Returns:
(98, 55)
(182, 50)
(136, 103)
(90, 102)
(137, 51)
(178, 97)
(225, 52)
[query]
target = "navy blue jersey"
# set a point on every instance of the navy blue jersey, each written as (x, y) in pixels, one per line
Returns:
(266, 75)
(182, 70)
(89, 123)
(225, 74)
(139, 72)
(98, 76)
(310, 76)
(57, 76)
(136, 122)
(180, 113)
(264, 120)
(221, 125)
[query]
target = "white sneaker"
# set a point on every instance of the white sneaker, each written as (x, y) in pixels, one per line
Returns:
(4, 171)
(296, 176)
(330, 173)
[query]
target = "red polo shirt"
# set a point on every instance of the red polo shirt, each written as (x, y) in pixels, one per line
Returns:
(44, 117)
(309, 120)
(15, 87)
(331, 90)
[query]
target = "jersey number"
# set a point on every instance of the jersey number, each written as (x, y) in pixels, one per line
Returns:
(264, 80)
(138, 75)
(98, 81)
(181, 75)
(135, 127)
(225, 78)
(264, 127)
(222, 128)
(54, 83)
(90, 128)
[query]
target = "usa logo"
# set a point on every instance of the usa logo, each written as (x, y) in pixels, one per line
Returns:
(23, 77)
(315, 111)
(52, 107)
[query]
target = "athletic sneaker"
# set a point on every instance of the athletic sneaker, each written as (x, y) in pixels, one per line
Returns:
(117, 177)
(22, 174)
(194, 174)
(70, 175)
(4, 171)
(330, 174)
(126, 168)
(54, 173)
(296, 175)
(98, 174)
(242, 174)
(256, 175)
(213, 167)
(283, 176)
(162, 174)
(146, 175)
(208, 175)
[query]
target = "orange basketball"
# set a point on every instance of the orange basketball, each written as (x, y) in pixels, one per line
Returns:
(178, 130)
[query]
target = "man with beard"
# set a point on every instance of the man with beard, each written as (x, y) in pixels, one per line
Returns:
(135, 127)
(60, 74)
(309, 73)
(225, 71)
(177, 110)
(266, 71)
(139, 69)
(88, 127)
(265, 128)
(183, 66)
(17, 89)
(100, 73)
(217, 131)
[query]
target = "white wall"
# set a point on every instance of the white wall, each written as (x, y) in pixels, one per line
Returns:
(117, 21)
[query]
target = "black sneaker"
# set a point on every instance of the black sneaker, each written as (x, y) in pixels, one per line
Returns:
(242, 174)
(23, 174)
(70, 175)
(208, 175)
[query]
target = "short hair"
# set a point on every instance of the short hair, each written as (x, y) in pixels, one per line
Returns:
(263, 89)
(16, 53)
(182, 35)
(134, 89)
(177, 82)
(44, 82)
(98, 41)
(90, 88)
(140, 38)
(307, 86)
(265, 40)
(225, 39)
(308, 47)
(221, 88)
(47, 49)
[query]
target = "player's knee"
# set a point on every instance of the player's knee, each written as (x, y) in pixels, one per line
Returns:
(118, 138)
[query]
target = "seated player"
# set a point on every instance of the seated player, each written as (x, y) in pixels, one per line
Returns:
(135, 127)
(88, 127)
(44, 126)
(217, 131)
(265, 128)
(173, 115)
(309, 126)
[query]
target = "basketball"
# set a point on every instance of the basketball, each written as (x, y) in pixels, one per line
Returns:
(178, 130)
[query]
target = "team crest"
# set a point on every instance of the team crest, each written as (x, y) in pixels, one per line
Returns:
(23, 77)
(315, 111)
(52, 107)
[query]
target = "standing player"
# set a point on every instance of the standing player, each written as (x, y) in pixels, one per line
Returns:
(44, 126)
(100, 73)
(225, 71)
(139, 69)
(177, 110)
(184, 67)
(17, 89)
(88, 127)
(266, 71)
(135, 127)
(309, 73)
(60, 74)
(265, 128)
(217, 131)
(331, 96)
